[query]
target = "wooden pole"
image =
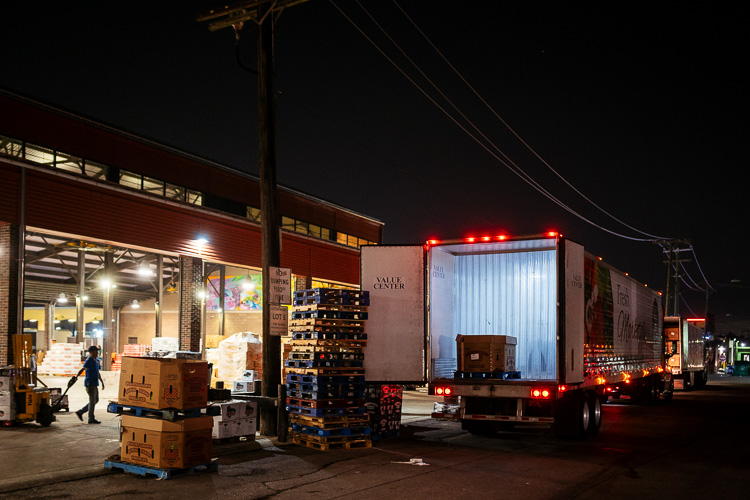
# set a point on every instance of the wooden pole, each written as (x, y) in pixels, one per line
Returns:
(269, 220)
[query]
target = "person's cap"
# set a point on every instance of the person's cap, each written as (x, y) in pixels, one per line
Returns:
(93, 348)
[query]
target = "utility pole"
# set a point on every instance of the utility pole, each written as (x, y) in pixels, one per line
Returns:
(673, 248)
(263, 13)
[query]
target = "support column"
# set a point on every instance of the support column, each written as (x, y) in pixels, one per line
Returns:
(191, 303)
(9, 286)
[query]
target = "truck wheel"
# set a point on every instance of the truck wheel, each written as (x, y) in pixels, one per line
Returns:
(583, 416)
(595, 414)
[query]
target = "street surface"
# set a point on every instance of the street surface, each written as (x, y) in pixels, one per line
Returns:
(693, 447)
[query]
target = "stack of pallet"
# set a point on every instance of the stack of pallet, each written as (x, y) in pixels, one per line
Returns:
(383, 405)
(325, 379)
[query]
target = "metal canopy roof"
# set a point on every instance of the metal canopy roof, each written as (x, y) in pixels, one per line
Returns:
(52, 267)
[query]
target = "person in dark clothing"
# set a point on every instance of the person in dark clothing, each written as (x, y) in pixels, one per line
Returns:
(91, 382)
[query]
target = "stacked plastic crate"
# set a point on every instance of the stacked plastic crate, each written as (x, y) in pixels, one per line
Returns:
(383, 405)
(325, 379)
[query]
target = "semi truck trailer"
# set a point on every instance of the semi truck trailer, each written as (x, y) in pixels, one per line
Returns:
(685, 352)
(512, 330)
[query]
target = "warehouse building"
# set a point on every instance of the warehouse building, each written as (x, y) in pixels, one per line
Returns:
(111, 239)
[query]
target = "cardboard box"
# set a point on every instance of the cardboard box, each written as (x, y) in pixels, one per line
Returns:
(226, 429)
(160, 383)
(154, 442)
(486, 353)
(248, 426)
(6, 397)
(247, 409)
(8, 412)
(6, 384)
(242, 386)
(248, 375)
(229, 411)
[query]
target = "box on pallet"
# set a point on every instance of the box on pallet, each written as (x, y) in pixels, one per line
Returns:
(242, 386)
(229, 410)
(247, 409)
(160, 383)
(154, 442)
(233, 428)
(6, 384)
(486, 353)
(8, 412)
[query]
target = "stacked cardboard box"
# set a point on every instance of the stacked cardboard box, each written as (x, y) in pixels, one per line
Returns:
(325, 374)
(236, 419)
(62, 359)
(7, 399)
(383, 405)
(159, 384)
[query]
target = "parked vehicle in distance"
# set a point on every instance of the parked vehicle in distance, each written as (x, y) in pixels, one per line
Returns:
(685, 350)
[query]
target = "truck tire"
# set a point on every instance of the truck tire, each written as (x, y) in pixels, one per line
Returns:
(595, 414)
(572, 416)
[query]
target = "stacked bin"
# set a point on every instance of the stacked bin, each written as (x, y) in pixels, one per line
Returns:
(325, 380)
(383, 405)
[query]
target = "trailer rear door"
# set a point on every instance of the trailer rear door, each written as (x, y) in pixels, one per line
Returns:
(396, 334)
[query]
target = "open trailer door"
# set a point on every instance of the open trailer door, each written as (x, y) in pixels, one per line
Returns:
(396, 342)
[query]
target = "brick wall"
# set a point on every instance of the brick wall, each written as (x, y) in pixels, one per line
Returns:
(191, 282)
(9, 236)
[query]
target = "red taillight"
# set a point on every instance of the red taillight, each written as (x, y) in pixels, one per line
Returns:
(540, 393)
(443, 391)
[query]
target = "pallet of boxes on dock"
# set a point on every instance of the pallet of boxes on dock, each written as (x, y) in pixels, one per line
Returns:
(236, 420)
(325, 382)
(383, 405)
(166, 425)
(62, 359)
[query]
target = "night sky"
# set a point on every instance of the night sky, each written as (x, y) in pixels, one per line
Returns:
(642, 111)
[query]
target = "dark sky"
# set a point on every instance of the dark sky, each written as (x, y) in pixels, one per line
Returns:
(641, 109)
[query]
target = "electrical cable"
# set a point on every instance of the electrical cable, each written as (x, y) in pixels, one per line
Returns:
(518, 172)
(492, 110)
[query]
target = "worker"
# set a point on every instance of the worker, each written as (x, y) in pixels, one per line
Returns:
(91, 366)
(32, 367)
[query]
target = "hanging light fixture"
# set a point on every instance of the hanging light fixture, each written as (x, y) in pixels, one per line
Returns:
(144, 269)
(62, 299)
(135, 304)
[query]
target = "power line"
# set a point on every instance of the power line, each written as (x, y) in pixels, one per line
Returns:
(515, 169)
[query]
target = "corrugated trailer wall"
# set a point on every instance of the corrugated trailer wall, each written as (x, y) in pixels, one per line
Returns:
(512, 294)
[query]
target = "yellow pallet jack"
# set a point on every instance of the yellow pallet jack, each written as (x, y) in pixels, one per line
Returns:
(32, 403)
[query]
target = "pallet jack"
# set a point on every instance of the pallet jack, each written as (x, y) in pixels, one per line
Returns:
(32, 403)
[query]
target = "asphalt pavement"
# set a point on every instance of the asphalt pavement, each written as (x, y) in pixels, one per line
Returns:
(71, 449)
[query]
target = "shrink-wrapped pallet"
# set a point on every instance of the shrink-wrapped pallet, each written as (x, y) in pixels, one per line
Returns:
(239, 352)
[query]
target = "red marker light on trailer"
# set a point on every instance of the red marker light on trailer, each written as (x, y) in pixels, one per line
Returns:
(540, 393)
(552, 234)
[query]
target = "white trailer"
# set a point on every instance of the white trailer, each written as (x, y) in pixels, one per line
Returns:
(580, 327)
(685, 352)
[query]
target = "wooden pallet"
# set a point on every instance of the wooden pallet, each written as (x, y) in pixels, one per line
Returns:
(328, 444)
(331, 422)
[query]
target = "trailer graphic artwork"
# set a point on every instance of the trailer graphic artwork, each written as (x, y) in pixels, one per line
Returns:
(620, 317)
(597, 296)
